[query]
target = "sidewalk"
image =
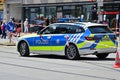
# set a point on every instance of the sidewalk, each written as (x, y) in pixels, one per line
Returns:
(6, 41)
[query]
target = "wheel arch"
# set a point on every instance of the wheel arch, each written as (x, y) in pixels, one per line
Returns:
(20, 43)
(72, 44)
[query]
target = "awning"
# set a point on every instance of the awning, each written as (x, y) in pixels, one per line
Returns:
(112, 12)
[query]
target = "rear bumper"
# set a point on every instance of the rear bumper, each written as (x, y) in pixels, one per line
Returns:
(97, 51)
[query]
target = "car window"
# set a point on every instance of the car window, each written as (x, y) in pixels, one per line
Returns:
(60, 30)
(47, 31)
(50, 29)
(99, 29)
(75, 29)
(68, 29)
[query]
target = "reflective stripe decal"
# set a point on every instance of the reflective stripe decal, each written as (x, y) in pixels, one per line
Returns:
(80, 45)
(105, 44)
(47, 48)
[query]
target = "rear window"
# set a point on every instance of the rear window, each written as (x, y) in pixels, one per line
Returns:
(99, 29)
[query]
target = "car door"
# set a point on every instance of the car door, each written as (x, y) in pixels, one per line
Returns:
(42, 41)
(58, 39)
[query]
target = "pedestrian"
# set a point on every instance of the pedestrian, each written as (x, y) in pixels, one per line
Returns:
(0, 29)
(47, 21)
(18, 30)
(3, 29)
(26, 26)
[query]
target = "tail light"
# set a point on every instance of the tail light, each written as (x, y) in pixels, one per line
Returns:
(90, 38)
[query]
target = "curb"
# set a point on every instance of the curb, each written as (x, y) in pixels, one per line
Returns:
(8, 44)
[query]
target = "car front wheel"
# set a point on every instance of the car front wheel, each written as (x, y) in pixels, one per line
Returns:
(23, 49)
(71, 52)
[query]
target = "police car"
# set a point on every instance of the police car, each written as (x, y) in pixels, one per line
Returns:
(71, 40)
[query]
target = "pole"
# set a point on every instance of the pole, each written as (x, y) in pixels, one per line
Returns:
(98, 11)
(99, 4)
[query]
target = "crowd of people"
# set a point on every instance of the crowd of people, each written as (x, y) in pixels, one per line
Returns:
(13, 26)
(8, 28)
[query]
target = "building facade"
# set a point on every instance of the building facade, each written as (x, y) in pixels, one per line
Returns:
(1, 9)
(13, 8)
(87, 9)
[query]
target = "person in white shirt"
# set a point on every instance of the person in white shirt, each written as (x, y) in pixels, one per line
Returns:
(26, 25)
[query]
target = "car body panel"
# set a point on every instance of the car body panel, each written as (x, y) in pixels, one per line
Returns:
(56, 43)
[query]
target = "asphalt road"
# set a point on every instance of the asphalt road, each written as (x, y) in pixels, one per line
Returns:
(51, 67)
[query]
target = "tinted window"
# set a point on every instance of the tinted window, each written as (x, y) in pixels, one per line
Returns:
(60, 30)
(50, 30)
(69, 29)
(99, 29)
(75, 29)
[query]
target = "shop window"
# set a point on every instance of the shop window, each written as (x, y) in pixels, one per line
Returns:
(78, 11)
(26, 12)
(42, 10)
(50, 12)
(69, 11)
(59, 9)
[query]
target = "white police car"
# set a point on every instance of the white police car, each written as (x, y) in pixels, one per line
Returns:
(71, 40)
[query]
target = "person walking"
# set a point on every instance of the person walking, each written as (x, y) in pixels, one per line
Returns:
(26, 25)
(3, 29)
(0, 32)
(18, 30)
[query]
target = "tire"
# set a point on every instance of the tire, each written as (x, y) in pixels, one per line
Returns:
(23, 49)
(71, 52)
(102, 56)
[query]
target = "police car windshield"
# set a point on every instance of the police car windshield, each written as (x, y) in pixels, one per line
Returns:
(99, 29)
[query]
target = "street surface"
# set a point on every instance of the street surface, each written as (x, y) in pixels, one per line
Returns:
(50, 67)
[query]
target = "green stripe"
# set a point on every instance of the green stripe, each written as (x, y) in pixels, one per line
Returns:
(54, 48)
(105, 44)
(47, 48)
(80, 45)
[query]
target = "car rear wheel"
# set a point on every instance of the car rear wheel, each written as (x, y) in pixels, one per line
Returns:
(23, 49)
(71, 52)
(102, 56)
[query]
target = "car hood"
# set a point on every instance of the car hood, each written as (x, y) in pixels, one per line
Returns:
(28, 35)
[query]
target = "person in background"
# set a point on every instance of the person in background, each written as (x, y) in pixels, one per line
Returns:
(3, 29)
(26, 25)
(0, 29)
(47, 21)
(18, 30)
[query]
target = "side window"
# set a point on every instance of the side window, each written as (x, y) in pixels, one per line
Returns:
(50, 30)
(75, 29)
(47, 31)
(61, 29)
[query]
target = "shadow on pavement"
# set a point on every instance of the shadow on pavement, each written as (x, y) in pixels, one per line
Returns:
(64, 58)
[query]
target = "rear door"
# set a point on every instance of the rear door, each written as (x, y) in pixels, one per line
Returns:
(58, 39)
